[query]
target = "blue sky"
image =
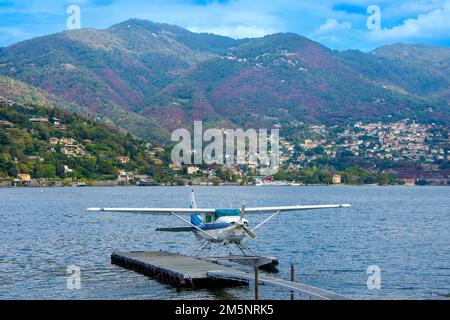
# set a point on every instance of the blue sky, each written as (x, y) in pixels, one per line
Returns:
(339, 24)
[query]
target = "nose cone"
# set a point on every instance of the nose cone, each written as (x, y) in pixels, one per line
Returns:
(244, 221)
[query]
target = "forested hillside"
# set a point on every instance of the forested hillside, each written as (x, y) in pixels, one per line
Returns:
(51, 143)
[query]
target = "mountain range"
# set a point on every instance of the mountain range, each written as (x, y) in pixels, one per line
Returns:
(151, 78)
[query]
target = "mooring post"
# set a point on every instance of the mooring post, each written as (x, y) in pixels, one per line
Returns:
(256, 283)
(293, 280)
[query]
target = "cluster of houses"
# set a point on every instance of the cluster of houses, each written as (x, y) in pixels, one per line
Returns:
(399, 141)
(55, 122)
(69, 146)
(6, 125)
(153, 151)
(5, 101)
(126, 177)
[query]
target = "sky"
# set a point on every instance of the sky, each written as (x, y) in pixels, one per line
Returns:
(338, 24)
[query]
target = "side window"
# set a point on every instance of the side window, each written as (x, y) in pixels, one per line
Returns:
(208, 218)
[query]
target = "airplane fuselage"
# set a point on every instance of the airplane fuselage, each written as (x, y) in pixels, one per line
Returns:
(223, 230)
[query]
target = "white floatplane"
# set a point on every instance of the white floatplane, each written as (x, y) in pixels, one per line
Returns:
(221, 226)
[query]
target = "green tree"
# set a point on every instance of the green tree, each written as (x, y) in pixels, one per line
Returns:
(4, 139)
(45, 171)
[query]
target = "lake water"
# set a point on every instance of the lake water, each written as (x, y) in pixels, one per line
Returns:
(403, 230)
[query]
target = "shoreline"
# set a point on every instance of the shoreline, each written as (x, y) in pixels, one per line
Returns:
(212, 185)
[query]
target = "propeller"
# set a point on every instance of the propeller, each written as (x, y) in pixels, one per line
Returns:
(242, 211)
(243, 226)
(250, 233)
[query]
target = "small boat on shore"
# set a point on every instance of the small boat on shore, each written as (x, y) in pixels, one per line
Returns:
(145, 183)
(79, 184)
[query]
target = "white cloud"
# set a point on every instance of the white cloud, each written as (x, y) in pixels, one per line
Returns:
(332, 25)
(432, 25)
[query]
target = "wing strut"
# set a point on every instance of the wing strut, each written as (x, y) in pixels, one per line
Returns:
(272, 216)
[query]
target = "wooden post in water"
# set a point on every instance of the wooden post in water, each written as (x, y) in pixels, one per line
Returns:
(256, 283)
(293, 280)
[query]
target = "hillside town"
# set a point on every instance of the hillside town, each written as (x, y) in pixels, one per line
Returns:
(399, 141)
(403, 152)
(382, 147)
(385, 148)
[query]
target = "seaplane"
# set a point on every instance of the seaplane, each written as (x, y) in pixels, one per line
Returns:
(222, 226)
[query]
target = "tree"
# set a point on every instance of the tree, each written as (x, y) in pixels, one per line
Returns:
(384, 179)
(12, 169)
(45, 171)
(325, 177)
(4, 139)
(422, 183)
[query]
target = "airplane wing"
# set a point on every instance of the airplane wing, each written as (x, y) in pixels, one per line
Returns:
(277, 210)
(294, 208)
(156, 210)
(189, 211)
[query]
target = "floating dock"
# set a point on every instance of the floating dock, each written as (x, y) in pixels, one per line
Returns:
(195, 273)
(176, 270)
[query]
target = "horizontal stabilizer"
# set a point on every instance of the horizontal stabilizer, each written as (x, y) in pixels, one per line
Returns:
(177, 229)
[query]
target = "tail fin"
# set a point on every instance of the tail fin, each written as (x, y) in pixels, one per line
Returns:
(196, 219)
(193, 204)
